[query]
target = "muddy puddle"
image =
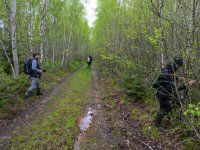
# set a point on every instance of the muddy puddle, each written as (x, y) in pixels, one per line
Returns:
(86, 120)
(84, 124)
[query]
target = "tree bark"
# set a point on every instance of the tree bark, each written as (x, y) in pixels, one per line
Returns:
(11, 65)
(162, 34)
(14, 40)
(43, 6)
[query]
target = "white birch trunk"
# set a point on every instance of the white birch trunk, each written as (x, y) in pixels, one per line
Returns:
(70, 41)
(64, 47)
(30, 26)
(43, 4)
(161, 40)
(189, 41)
(11, 65)
(14, 40)
(54, 43)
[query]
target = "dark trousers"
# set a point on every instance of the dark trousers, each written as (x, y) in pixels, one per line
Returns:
(165, 107)
(89, 63)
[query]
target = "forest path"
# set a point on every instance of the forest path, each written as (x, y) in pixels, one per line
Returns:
(36, 107)
(73, 115)
(103, 131)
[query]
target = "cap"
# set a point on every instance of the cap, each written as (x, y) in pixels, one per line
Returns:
(178, 61)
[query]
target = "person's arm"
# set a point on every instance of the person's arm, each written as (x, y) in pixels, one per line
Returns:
(34, 66)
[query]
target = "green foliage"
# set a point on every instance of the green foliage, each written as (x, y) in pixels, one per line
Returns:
(155, 39)
(193, 110)
(134, 87)
(121, 61)
(191, 144)
(152, 132)
(75, 64)
(12, 91)
(9, 87)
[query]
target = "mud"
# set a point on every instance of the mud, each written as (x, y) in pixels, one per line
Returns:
(84, 124)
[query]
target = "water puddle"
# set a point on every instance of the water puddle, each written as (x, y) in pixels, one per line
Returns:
(85, 123)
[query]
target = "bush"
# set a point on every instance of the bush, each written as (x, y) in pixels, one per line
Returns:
(6, 88)
(134, 87)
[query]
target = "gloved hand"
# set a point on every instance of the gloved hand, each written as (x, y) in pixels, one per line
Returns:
(43, 70)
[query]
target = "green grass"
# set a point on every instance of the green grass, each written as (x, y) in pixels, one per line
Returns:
(12, 91)
(57, 128)
(152, 132)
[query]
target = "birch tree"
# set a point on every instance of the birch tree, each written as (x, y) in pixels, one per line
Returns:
(14, 41)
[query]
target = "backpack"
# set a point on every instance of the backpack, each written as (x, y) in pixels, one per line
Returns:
(88, 60)
(28, 66)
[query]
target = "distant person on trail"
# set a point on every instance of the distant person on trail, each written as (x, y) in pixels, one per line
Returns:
(89, 61)
(166, 87)
(35, 74)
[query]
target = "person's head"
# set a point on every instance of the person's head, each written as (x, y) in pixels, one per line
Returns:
(36, 55)
(177, 62)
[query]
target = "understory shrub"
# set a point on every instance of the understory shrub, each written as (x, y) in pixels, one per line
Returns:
(134, 87)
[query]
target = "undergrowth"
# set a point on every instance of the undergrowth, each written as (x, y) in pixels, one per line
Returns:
(143, 107)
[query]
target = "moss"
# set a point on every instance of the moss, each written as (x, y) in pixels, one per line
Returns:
(152, 132)
(191, 144)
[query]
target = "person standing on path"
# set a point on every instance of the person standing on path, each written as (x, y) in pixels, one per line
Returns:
(89, 61)
(35, 75)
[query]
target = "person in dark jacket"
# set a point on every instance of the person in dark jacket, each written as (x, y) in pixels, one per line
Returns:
(35, 75)
(167, 90)
(89, 61)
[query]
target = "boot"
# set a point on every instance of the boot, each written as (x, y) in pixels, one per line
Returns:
(38, 92)
(159, 119)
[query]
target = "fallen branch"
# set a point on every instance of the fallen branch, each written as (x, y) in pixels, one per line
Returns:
(143, 143)
(126, 117)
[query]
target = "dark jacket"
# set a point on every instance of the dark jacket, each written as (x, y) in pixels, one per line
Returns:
(167, 82)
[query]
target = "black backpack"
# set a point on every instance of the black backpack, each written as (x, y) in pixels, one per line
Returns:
(28, 66)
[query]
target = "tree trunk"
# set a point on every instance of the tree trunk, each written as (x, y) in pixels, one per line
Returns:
(162, 35)
(11, 65)
(43, 5)
(30, 26)
(70, 37)
(14, 41)
(64, 45)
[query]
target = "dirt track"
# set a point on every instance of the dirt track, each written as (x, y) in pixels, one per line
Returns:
(9, 127)
(112, 126)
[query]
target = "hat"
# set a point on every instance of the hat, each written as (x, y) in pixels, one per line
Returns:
(178, 61)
